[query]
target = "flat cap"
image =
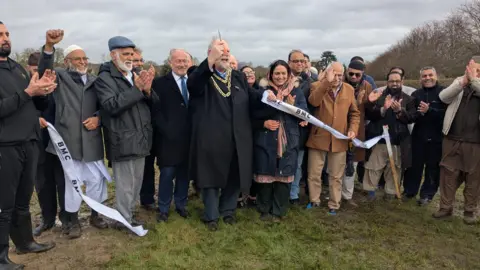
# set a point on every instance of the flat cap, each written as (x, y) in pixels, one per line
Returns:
(120, 42)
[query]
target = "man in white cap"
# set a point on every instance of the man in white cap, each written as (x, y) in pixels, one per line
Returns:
(73, 110)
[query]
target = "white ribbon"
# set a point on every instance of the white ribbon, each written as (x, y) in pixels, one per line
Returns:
(72, 174)
(285, 107)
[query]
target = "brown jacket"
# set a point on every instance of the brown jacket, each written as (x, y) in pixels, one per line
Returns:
(341, 114)
(366, 88)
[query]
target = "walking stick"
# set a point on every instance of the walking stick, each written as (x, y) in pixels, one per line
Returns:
(392, 162)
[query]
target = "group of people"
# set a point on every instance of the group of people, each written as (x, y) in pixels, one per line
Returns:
(208, 124)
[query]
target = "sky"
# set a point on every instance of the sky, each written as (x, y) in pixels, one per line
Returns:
(258, 31)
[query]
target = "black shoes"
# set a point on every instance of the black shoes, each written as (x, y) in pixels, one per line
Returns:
(230, 220)
(136, 222)
(162, 217)
(183, 213)
(98, 222)
(34, 247)
(5, 262)
(43, 227)
(212, 226)
(149, 207)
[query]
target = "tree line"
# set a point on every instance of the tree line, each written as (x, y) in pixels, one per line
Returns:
(445, 44)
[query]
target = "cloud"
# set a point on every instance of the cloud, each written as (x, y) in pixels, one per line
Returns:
(258, 31)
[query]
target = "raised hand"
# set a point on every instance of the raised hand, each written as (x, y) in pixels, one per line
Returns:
(139, 81)
(271, 125)
(42, 87)
(53, 37)
(374, 95)
(149, 78)
(388, 102)
(291, 99)
(397, 105)
(218, 48)
(271, 96)
(49, 76)
(471, 70)
(330, 74)
(423, 108)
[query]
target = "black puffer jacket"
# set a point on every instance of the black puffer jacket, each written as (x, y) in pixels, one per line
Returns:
(125, 114)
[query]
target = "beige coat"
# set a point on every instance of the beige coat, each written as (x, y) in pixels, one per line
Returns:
(341, 114)
(452, 96)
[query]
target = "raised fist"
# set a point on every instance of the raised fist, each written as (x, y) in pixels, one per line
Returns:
(54, 36)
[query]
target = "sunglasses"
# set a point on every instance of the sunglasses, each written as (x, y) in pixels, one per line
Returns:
(355, 74)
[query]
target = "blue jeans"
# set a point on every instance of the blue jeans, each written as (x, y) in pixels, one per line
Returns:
(166, 191)
(295, 187)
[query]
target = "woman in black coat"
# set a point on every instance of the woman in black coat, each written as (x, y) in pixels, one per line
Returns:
(251, 198)
(276, 143)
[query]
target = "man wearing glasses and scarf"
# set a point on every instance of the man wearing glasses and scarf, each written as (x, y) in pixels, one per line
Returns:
(355, 77)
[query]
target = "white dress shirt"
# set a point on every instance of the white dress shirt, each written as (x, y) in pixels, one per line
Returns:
(178, 80)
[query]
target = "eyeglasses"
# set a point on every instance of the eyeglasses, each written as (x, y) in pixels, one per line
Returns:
(138, 60)
(85, 59)
(395, 82)
(355, 74)
(296, 61)
(249, 73)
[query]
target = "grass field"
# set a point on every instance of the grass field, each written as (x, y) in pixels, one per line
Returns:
(378, 235)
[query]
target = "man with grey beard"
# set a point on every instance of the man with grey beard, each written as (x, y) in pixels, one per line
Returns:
(73, 110)
(125, 99)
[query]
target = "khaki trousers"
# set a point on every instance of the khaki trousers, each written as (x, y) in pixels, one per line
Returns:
(336, 169)
(451, 180)
(379, 163)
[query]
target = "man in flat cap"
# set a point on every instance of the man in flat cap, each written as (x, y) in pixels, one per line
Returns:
(125, 100)
(73, 110)
(355, 78)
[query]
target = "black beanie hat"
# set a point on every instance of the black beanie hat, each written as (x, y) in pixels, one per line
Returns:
(357, 65)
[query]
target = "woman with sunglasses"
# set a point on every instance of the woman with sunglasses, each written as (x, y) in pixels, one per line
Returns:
(276, 138)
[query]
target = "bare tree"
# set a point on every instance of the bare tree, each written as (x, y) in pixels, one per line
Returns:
(447, 45)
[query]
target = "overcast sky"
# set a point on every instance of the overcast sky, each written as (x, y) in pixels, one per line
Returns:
(259, 31)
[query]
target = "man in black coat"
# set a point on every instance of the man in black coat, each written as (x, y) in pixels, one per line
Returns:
(20, 98)
(221, 144)
(125, 99)
(426, 139)
(171, 124)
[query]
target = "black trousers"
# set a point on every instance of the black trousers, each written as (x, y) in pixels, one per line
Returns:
(18, 168)
(50, 186)
(223, 202)
(148, 185)
(273, 198)
(424, 155)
